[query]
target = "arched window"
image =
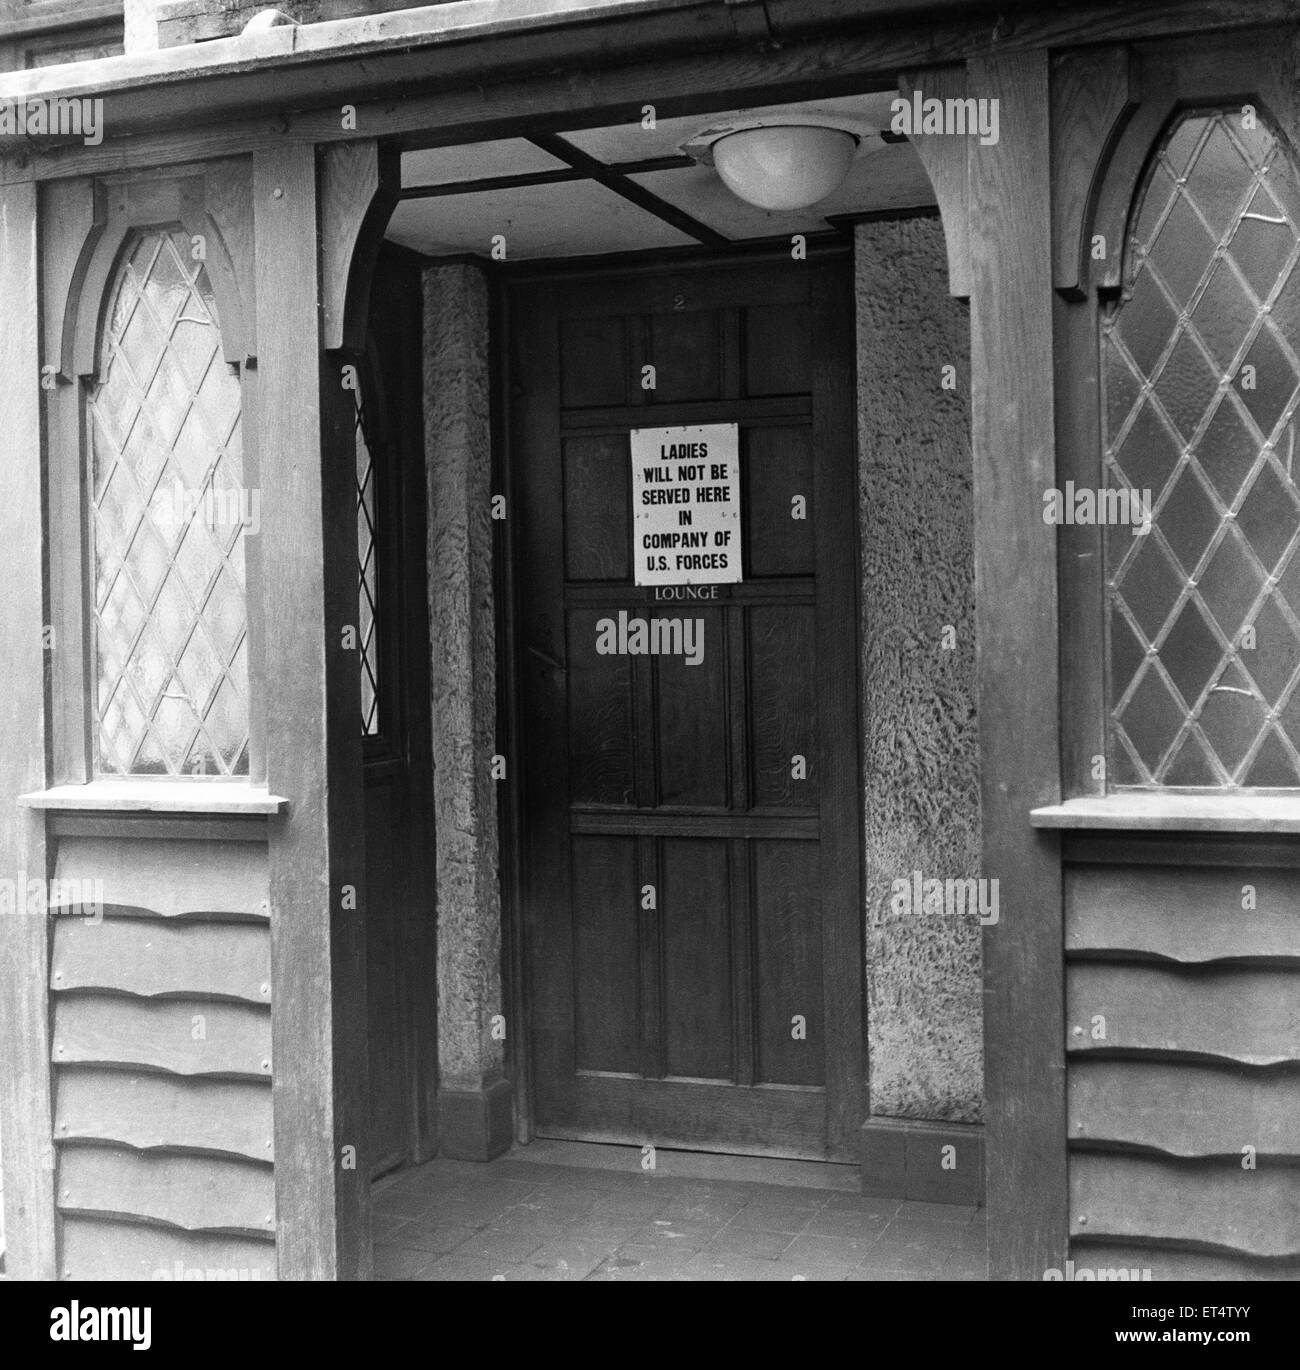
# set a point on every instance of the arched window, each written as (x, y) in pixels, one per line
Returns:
(367, 572)
(1201, 380)
(168, 514)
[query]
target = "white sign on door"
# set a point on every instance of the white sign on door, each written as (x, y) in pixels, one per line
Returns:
(686, 505)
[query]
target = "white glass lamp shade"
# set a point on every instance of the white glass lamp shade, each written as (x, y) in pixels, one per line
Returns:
(784, 167)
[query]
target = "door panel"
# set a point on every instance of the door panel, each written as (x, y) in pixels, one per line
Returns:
(692, 899)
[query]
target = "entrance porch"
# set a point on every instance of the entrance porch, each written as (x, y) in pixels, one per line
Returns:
(572, 1211)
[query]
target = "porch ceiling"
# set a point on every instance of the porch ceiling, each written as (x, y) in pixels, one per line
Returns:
(625, 187)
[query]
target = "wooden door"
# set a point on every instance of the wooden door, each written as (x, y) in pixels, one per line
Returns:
(691, 882)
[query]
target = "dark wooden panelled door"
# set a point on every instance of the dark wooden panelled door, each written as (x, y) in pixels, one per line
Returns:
(692, 907)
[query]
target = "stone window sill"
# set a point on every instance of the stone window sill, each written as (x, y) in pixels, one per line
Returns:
(1141, 812)
(157, 796)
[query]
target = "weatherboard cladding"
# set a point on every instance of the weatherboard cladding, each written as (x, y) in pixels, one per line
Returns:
(161, 1046)
(1183, 1041)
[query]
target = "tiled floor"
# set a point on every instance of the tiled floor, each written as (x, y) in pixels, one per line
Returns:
(534, 1219)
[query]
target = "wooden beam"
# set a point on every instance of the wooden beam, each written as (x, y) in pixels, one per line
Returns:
(25, 1115)
(648, 164)
(488, 183)
(313, 743)
(944, 158)
(631, 191)
(229, 97)
(1016, 631)
(558, 176)
(838, 695)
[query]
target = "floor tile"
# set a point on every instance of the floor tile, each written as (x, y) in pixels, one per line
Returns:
(678, 1232)
(736, 1267)
(871, 1205)
(535, 1221)
(917, 1261)
(845, 1223)
(400, 1262)
(741, 1242)
(668, 1257)
(847, 1251)
(436, 1238)
(769, 1218)
(463, 1268)
(947, 1213)
(573, 1258)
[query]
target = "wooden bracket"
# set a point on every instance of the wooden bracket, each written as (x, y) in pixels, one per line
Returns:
(72, 222)
(1094, 94)
(360, 186)
(944, 157)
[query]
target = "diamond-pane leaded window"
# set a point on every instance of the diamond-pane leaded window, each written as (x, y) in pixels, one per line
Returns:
(167, 520)
(1201, 382)
(367, 581)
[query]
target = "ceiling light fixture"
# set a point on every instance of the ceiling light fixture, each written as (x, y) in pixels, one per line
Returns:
(782, 162)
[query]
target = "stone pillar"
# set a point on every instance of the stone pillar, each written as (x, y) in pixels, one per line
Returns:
(141, 25)
(921, 746)
(474, 1098)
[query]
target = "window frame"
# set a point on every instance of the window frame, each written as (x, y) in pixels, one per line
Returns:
(1111, 319)
(88, 226)
(1163, 82)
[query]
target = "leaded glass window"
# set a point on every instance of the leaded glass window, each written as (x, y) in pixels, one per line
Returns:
(1201, 383)
(367, 580)
(168, 516)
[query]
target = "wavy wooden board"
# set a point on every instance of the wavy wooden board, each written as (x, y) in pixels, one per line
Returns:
(1215, 1203)
(223, 1117)
(183, 1036)
(171, 878)
(1184, 915)
(197, 1193)
(1246, 1015)
(152, 958)
(1169, 1263)
(94, 1249)
(1184, 1109)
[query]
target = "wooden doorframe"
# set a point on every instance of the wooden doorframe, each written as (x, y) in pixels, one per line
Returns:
(402, 752)
(518, 1057)
(846, 1032)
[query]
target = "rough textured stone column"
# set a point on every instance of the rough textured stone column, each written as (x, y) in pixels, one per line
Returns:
(474, 1099)
(921, 753)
